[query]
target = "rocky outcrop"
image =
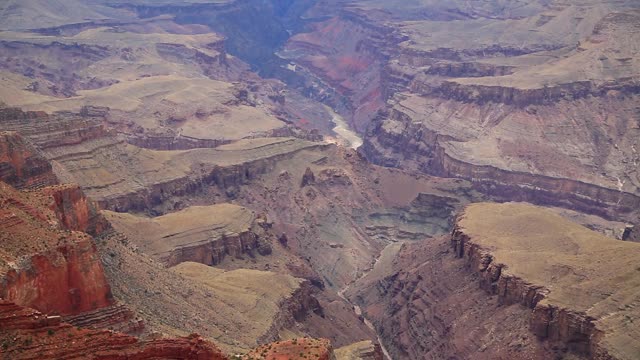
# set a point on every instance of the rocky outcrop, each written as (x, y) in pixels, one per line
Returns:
(21, 165)
(74, 211)
(49, 131)
(38, 251)
(296, 349)
(172, 142)
(216, 249)
(201, 234)
(117, 317)
(398, 141)
(75, 270)
(364, 350)
(292, 310)
(25, 334)
(468, 69)
(308, 178)
(482, 94)
(59, 74)
(575, 325)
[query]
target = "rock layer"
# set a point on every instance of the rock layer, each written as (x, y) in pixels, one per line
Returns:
(38, 252)
(197, 234)
(25, 334)
(532, 257)
(21, 165)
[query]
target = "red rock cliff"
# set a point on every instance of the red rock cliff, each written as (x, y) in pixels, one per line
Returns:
(43, 266)
(21, 165)
(28, 334)
(74, 210)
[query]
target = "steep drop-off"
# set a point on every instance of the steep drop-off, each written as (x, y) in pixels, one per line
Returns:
(513, 280)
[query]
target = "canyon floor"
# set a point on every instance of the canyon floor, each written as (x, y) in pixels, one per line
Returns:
(319, 179)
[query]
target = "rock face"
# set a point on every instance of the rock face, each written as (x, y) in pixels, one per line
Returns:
(21, 165)
(37, 252)
(308, 178)
(429, 307)
(74, 211)
(505, 284)
(25, 334)
(272, 303)
(545, 269)
(198, 234)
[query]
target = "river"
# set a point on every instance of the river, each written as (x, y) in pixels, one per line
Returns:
(386, 256)
(346, 136)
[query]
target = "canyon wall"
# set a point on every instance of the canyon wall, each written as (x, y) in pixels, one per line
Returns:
(74, 211)
(21, 165)
(39, 250)
(552, 318)
(506, 282)
(395, 139)
(44, 241)
(430, 307)
(75, 270)
(213, 252)
(26, 334)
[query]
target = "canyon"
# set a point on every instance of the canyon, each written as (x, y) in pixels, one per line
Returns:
(319, 179)
(512, 288)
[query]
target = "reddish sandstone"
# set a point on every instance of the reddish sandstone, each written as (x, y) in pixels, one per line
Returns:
(296, 349)
(28, 334)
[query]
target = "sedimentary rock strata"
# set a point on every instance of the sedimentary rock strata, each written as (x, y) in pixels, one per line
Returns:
(22, 165)
(512, 279)
(568, 275)
(74, 211)
(25, 334)
(39, 251)
(197, 234)
(271, 302)
(156, 111)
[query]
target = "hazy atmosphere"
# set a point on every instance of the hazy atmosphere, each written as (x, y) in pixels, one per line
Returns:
(320, 179)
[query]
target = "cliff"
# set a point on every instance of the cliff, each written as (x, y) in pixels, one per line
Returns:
(426, 305)
(516, 170)
(74, 211)
(25, 334)
(21, 165)
(522, 97)
(38, 251)
(203, 234)
(512, 280)
(529, 256)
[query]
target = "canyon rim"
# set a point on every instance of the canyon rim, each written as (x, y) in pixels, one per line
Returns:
(320, 179)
